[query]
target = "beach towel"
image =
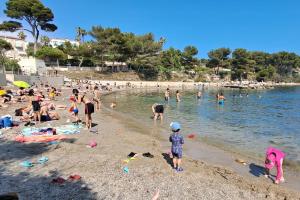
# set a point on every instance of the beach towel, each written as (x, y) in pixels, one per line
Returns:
(68, 129)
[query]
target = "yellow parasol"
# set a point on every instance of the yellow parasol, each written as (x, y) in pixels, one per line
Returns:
(21, 84)
(2, 92)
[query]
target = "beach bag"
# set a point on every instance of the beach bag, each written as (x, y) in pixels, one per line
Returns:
(7, 121)
(1, 123)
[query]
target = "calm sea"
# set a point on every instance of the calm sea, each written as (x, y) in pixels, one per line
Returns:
(248, 122)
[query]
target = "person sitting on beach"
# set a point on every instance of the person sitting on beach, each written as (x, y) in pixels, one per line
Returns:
(158, 111)
(167, 94)
(274, 157)
(48, 116)
(177, 141)
(178, 96)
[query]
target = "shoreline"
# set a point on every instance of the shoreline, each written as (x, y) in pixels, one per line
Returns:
(200, 149)
(102, 173)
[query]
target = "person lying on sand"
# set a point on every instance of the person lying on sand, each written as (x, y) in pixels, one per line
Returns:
(274, 157)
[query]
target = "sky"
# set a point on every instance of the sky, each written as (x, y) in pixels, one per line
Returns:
(264, 25)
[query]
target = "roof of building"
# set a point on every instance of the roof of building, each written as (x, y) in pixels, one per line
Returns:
(11, 37)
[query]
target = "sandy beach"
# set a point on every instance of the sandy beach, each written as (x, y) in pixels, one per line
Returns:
(102, 168)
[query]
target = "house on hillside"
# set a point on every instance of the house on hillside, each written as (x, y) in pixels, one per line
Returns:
(19, 47)
(56, 42)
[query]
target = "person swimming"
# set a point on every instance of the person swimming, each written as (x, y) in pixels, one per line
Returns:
(221, 99)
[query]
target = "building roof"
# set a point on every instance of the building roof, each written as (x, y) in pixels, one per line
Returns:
(11, 37)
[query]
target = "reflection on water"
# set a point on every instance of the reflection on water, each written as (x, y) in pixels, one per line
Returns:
(249, 121)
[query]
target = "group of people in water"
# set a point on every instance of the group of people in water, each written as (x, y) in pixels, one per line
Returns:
(274, 157)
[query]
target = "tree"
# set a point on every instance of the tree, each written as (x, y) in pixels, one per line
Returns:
(285, 62)
(33, 12)
(188, 54)
(218, 58)
(11, 65)
(171, 59)
(50, 54)
(45, 41)
(4, 46)
(80, 34)
(82, 52)
(241, 64)
(21, 35)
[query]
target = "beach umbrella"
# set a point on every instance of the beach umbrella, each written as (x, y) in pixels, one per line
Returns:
(21, 84)
(2, 92)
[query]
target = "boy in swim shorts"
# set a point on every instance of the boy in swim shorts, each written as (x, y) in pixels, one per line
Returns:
(177, 141)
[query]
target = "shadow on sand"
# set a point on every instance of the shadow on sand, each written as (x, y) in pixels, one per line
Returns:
(168, 159)
(28, 185)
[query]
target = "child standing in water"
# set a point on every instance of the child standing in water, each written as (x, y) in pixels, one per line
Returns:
(177, 141)
(274, 157)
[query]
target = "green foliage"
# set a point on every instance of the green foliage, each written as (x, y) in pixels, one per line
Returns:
(50, 54)
(33, 12)
(45, 41)
(11, 65)
(218, 58)
(4, 46)
(241, 64)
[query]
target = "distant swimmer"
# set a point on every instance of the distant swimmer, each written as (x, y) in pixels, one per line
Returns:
(167, 94)
(199, 94)
(158, 111)
(178, 96)
(221, 99)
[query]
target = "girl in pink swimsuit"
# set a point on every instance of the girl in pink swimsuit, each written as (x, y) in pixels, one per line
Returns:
(274, 157)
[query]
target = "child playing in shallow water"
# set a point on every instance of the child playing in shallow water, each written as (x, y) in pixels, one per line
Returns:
(274, 157)
(177, 141)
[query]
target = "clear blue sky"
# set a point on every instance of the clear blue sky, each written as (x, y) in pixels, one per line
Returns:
(267, 25)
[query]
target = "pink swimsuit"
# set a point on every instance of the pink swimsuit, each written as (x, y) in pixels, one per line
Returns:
(276, 157)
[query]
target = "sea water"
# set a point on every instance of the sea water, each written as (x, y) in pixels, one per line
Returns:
(249, 121)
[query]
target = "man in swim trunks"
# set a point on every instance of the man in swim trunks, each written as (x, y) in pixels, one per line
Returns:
(158, 111)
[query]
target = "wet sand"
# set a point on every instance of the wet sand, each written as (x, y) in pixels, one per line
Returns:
(101, 168)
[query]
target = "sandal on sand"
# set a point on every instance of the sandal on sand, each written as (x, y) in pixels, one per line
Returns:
(27, 164)
(75, 177)
(179, 169)
(58, 180)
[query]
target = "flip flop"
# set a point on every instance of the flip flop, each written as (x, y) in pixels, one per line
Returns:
(58, 180)
(126, 170)
(75, 177)
(27, 164)
(43, 160)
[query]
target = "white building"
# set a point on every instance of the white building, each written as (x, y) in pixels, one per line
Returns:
(31, 65)
(19, 47)
(56, 42)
